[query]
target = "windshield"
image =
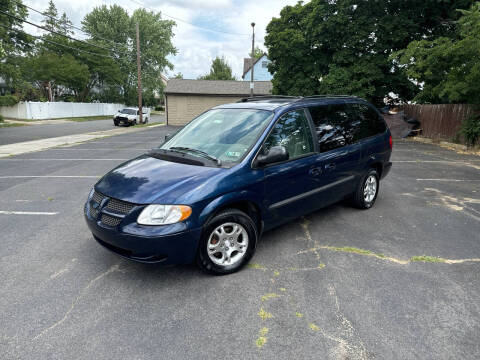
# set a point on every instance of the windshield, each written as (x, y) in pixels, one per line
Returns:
(129, 111)
(223, 134)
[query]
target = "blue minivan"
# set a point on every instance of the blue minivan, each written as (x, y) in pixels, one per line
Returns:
(210, 191)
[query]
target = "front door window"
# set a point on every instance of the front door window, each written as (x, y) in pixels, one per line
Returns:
(292, 132)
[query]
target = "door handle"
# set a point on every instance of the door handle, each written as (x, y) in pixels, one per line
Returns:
(330, 166)
(315, 171)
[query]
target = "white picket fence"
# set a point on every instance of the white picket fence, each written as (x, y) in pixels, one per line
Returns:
(57, 110)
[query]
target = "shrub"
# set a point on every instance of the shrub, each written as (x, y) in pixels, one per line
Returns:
(8, 100)
(1, 118)
(470, 129)
(159, 108)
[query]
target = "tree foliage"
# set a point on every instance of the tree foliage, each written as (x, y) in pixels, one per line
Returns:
(14, 43)
(344, 46)
(219, 70)
(447, 68)
(115, 24)
(257, 52)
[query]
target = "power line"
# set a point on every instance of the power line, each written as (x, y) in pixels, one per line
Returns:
(189, 23)
(53, 31)
(69, 25)
(56, 43)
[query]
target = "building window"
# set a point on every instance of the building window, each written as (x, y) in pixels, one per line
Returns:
(264, 64)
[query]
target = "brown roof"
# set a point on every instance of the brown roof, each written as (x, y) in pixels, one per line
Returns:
(216, 87)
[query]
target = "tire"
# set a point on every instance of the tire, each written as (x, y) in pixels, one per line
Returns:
(146, 121)
(235, 250)
(363, 200)
(115, 123)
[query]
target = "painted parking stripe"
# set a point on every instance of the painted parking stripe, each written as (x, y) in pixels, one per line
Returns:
(452, 180)
(27, 213)
(49, 176)
(56, 159)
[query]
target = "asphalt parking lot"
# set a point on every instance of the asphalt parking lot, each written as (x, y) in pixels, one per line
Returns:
(13, 135)
(337, 284)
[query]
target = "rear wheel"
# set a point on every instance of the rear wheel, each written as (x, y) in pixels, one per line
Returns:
(227, 243)
(367, 190)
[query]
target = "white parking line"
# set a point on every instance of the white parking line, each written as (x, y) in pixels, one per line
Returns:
(27, 213)
(49, 176)
(453, 180)
(56, 159)
(103, 149)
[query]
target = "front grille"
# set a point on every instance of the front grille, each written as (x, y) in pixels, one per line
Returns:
(93, 212)
(97, 197)
(120, 207)
(114, 205)
(110, 220)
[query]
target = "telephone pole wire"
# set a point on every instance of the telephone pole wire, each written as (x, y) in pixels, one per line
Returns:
(252, 57)
(139, 77)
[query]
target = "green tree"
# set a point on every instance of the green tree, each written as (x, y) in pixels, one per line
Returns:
(115, 24)
(178, 76)
(65, 25)
(344, 46)
(257, 52)
(14, 42)
(49, 70)
(219, 70)
(447, 68)
(50, 17)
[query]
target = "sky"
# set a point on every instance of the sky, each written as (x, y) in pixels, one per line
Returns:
(196, 46)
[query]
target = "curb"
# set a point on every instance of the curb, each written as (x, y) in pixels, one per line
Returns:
(69, 140)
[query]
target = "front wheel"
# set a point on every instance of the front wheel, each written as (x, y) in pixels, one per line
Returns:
(228, 242)
(367, 190)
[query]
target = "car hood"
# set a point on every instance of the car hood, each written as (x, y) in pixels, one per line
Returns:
(147, 180)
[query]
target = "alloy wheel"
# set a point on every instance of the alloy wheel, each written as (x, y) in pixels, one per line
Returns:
(370, 188)
(227, 244)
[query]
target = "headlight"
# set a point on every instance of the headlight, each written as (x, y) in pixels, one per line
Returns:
(163, 214)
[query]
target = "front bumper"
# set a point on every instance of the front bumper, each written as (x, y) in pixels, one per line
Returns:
(174, 248)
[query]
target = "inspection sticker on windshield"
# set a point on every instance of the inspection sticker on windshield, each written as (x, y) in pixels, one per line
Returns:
(234, 154)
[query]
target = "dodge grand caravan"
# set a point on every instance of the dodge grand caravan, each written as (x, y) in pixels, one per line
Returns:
(237, 170)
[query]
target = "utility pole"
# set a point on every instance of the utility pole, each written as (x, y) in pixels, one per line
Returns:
(139, 77)
(252, 58)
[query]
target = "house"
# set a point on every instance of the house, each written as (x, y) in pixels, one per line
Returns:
(185, 99)
(260, 69)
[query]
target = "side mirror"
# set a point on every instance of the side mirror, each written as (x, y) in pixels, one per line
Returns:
(274, 155)
(168, 137)
(118, 110)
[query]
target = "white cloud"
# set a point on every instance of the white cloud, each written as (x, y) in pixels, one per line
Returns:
(196, 47)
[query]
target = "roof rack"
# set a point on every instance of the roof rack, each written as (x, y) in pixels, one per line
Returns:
(327, 96)
(266, 97)
(296, 98)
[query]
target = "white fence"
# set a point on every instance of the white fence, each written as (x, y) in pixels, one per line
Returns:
(57, 110)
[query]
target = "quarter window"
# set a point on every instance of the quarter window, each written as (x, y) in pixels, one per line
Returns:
(334, 125)
(293, 132)
(370, 123)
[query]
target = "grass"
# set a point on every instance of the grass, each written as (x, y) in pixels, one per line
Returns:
(87, 118)
(356, 251)
(255, 266)
(2, 125)
(426, 258)
(264, 314)
(262, 339)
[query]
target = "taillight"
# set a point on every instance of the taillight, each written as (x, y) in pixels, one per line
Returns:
(390, 142)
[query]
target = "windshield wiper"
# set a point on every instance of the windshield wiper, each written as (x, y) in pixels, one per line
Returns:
(196, 151)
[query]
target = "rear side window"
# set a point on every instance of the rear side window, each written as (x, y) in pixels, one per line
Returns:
(370, 123)
(293, 132)
(333, 125)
